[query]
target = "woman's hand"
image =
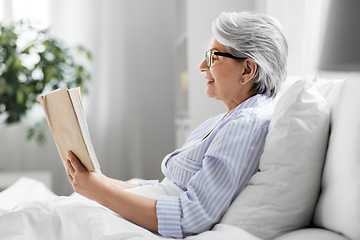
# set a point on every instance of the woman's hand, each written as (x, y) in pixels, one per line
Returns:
(109, 193)
(88, 184)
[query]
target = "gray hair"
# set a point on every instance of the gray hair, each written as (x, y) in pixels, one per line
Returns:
(260, 38)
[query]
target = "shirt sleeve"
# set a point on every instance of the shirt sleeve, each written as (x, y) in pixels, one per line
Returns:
(231, 159)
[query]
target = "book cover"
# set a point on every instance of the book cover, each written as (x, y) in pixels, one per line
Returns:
(65, 115)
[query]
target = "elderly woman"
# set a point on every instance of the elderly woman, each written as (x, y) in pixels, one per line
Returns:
(244, 68)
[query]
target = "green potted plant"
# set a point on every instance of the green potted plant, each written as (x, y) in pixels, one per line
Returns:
(33, 62)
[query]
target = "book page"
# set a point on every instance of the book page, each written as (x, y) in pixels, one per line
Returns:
(78, 107)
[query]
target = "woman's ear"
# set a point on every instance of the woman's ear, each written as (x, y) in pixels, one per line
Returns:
(249, 71)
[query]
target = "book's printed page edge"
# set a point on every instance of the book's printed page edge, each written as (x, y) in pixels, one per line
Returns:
(78, 107)
(78, 92)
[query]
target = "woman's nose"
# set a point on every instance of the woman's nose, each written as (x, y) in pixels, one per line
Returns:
(203, 66)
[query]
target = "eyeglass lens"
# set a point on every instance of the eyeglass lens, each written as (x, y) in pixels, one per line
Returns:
(208, 58)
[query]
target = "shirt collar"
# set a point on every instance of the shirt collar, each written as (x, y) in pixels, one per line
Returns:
(254, 101)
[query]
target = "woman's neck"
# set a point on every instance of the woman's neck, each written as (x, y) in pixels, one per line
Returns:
(231, 105)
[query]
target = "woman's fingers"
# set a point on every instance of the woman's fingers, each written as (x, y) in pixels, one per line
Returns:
(74, 161)
(69, 167)
(69, 175)
(72, 165)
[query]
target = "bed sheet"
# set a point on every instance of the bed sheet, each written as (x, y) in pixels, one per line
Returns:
(29, 210)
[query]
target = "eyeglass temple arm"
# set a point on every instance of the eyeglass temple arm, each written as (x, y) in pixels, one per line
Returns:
(227, 55)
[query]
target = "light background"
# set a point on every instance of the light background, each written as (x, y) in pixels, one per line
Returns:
(134, 94)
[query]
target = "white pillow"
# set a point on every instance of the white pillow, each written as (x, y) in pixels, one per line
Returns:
(325, 86)
(281, 197)
(339, 203)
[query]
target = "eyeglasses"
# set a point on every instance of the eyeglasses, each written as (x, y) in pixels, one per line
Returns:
(209, 56)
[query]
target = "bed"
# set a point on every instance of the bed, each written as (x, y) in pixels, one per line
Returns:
(29, 210)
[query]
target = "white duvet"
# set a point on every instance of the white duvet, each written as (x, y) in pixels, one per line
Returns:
(29, 210)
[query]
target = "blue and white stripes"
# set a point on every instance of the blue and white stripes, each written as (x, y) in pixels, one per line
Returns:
(212, 170)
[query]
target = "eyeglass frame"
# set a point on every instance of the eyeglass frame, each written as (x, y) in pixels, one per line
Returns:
(223, 54)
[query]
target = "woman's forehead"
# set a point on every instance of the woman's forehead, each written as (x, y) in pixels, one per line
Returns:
(216, 46)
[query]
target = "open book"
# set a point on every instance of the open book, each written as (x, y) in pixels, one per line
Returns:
(65, 115)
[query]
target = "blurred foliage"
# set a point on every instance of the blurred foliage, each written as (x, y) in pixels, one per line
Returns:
(32, 62)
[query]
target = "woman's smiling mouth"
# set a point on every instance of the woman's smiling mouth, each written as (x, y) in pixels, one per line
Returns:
(210, 80)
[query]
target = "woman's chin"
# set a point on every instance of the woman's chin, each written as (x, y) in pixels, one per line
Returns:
(209, 94)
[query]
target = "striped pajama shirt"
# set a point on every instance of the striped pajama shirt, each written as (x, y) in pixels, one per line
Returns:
(214, 165)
